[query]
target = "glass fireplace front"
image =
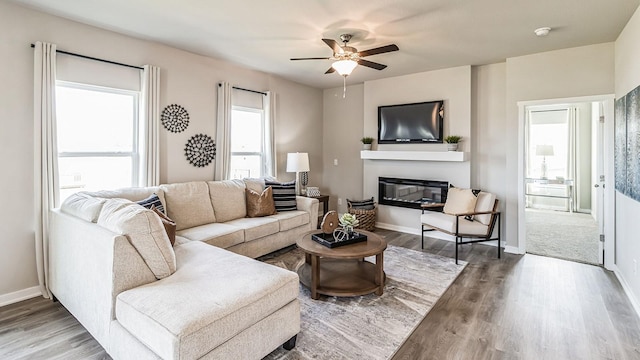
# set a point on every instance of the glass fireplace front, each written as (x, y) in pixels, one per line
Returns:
(411, 193)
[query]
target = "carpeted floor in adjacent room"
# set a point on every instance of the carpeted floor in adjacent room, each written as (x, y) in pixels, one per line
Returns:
(563, 235)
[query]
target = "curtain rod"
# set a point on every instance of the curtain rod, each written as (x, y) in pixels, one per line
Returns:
(243, 89)
(96, 59)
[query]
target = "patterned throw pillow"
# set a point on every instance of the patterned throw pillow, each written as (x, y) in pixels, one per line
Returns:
(169, 225)
(361, 204)
(284, 195)
(151, 201)
(260, 204)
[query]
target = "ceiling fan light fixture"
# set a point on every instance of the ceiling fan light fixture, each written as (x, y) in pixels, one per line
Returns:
(344, 67)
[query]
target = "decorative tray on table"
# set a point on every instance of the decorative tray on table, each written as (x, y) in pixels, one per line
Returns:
(330, 241)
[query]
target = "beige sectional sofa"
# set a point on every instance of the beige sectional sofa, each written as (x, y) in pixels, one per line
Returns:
(112, 266)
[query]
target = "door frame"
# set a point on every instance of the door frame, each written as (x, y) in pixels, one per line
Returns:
(609, 191)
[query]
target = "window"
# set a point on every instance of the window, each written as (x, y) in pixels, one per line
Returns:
(248, 156)
(97, 137)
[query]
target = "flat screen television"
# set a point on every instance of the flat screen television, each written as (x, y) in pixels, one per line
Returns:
(411, 123)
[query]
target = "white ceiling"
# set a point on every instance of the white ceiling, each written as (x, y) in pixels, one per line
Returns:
(431, 34)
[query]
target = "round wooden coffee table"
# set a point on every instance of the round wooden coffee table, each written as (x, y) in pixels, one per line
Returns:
(342, 271)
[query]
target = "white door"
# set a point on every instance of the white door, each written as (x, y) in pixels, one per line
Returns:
(597, 174)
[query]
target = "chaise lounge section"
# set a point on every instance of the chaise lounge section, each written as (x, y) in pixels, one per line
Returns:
(113, 267)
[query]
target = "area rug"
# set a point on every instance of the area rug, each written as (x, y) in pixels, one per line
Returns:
(563, 235)
(370, 326)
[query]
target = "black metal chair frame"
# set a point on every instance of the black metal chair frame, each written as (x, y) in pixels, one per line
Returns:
(495, 218)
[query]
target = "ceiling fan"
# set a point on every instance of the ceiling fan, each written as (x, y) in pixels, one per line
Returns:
(347, 57)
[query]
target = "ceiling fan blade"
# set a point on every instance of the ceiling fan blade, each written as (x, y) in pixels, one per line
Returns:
(371, 64)
(379, 50)
(331, 70)
(311, 58)
(333, 44)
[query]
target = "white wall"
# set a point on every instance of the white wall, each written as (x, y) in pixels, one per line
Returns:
(342, 131)
(574, 72)
(187, 79)
(451, 85)
(627, 78)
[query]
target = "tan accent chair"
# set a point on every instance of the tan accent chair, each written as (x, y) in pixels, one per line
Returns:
(484, 219)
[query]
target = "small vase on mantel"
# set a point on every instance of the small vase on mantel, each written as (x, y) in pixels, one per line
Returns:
(366, 146)
(452, 147)
(452, 142)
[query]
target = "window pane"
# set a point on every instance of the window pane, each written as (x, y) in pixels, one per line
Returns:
(94, 121)
(246, 131)
(246, 166)
(93, 173)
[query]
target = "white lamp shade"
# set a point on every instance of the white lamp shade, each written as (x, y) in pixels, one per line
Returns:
(344, 67)
(544, 150)
(297, 162)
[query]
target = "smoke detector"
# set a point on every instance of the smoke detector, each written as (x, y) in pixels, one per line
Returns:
(543, 31)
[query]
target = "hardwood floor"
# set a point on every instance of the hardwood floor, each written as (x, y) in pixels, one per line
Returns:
(518, 307)
(522, 307)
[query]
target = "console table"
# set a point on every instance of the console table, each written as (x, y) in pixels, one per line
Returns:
(568, 183)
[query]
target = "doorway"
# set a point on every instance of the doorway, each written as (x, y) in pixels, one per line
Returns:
(563, 198)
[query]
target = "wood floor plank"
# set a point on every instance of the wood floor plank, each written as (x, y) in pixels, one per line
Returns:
(517, 307)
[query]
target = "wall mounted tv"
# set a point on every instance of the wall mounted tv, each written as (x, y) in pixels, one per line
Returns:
(411, 123)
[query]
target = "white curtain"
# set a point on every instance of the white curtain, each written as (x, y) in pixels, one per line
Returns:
(223, 133)
(150, 138)
(269, 106)
(46, 189)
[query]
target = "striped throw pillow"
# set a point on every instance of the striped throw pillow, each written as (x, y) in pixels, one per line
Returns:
(284, 195)
(152, 201)
(361, 204)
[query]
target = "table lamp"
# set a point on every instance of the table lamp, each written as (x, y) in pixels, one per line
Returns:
(544, 151)
(298, 162)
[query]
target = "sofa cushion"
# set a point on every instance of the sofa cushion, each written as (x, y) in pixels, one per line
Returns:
(260, 204)
(284, 195)
(169, 225)
(228, 199)
(188, 204)
(485, 203)
(216, 234)
(226, 293)
(145, 232)
(83, 206)
(459, 201)
(291, 219)
(150, 202)
(448, 223)
(255, 228)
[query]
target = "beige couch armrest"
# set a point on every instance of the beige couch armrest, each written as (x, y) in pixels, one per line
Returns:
(309, 205)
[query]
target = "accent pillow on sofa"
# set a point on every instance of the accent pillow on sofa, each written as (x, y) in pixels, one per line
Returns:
(485, 203)
(459, 201)
(284, 195)
(169, 225)
(260, 204)
(150, 202)
(361, 204)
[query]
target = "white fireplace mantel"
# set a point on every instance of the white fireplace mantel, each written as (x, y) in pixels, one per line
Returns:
(453, 156)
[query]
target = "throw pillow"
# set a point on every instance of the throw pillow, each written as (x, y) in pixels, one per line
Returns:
(260, 204)
(459, 201)
(284, 195)
(151, 201)
(361, 204)
(169, 225)
(485, 203)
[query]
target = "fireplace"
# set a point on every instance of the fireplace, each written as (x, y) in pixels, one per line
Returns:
(411, 193)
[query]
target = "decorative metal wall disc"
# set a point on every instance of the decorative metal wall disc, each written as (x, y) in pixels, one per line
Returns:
(200, 150)
(175, 118)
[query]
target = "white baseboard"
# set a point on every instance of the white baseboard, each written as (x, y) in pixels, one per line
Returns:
(431, 234)
(17, 296)
(627, 289)
(513, 250)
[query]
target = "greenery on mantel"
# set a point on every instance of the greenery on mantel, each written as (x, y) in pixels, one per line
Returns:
(367, 140)
(453, 139)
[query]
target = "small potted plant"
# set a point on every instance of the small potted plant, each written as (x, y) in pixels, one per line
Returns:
(452, 142)
(348, 222)
(366, 142)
